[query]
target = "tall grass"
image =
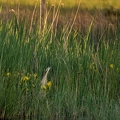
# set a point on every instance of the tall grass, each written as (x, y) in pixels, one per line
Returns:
(84, 72)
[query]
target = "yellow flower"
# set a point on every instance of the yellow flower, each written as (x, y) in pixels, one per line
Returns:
(8, 73)
(49, 84)
(25, 78)
(35, 76)
(44, 87)
(111, 66)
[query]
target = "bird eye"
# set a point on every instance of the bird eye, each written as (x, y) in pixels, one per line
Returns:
(45, 70)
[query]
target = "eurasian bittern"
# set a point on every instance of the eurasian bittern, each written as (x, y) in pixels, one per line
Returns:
(44, 79)
(43, 83)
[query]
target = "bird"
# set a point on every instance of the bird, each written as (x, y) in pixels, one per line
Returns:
(43, 84)
(44, 79)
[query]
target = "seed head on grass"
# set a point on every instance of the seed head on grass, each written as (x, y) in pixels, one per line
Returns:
(12, 10)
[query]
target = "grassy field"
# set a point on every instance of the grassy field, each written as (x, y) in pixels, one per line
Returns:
(83, 51)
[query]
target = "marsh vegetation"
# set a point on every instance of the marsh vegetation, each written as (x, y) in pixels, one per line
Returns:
(82, 46)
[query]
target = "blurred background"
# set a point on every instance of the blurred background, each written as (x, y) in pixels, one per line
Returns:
(70, 3)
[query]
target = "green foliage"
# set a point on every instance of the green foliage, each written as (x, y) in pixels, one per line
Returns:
(84, 72)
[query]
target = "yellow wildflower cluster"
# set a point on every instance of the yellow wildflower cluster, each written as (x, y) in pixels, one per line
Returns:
(29, 76)
(47, 86)
(25, 78)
